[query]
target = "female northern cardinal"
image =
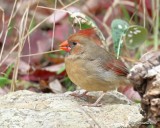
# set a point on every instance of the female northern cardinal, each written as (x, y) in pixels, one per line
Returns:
(89, 65)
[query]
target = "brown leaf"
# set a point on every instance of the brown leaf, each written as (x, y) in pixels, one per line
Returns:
(56, 86)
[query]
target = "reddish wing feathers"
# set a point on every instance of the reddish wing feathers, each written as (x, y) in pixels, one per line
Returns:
(117, 67)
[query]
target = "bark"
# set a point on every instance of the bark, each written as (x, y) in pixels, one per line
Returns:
(145, 76)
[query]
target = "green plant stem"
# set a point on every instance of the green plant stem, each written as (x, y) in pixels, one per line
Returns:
(156, 26)
(144, 13)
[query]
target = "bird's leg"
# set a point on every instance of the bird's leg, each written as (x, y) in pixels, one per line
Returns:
(78, 94)
(96, 103)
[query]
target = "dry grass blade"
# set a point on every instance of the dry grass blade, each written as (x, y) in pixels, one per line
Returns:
(12, 15)
(3, 15)
(144, 12)
(156, 27)
(22, 29)
(53, 34)
(40, 53)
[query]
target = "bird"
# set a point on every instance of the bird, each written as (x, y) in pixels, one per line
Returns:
(90, 66)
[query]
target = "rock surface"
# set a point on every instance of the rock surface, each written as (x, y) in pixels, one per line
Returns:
(25, 109)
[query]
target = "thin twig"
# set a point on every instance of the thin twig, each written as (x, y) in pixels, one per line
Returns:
(36, 54)
(156, 28)
(144, 13)
(3, 15)
(53, 30)
(22, 28)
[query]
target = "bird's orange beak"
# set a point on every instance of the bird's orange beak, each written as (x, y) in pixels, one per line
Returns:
(65, 46)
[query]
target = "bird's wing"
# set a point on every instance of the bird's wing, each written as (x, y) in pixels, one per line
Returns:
(117, 66)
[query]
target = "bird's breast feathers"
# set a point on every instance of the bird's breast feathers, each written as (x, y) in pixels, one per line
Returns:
(89, 74)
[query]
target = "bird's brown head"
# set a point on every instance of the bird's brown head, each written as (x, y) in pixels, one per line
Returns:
(81, 41)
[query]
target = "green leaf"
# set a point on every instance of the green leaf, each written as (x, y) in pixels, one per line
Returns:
(68, 84)
(135, 36)
(137, 101)
(9, 70)
(32, 25)
(10, 28)
(125, 12)
(4, 81)
(151, 126)
(85, 26)
(119, 28)
(61, 70)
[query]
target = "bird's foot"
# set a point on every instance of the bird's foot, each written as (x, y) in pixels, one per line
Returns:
(79, 94)
(96, 103)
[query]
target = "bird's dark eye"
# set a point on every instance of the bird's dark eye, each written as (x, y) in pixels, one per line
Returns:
(74, 43)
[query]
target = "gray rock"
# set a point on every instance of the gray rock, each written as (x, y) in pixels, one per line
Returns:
(25, 109)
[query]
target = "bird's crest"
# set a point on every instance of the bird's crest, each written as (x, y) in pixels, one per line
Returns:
(87, 32)
(90, 33)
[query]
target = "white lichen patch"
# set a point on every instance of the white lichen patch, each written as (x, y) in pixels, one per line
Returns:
(131, 41)
(126, 26)
(135, 28)
(130, 32)
(129, 35)
(138, 31)
(78, 14)
(135, 32)
(83, 21)
(120, 26)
